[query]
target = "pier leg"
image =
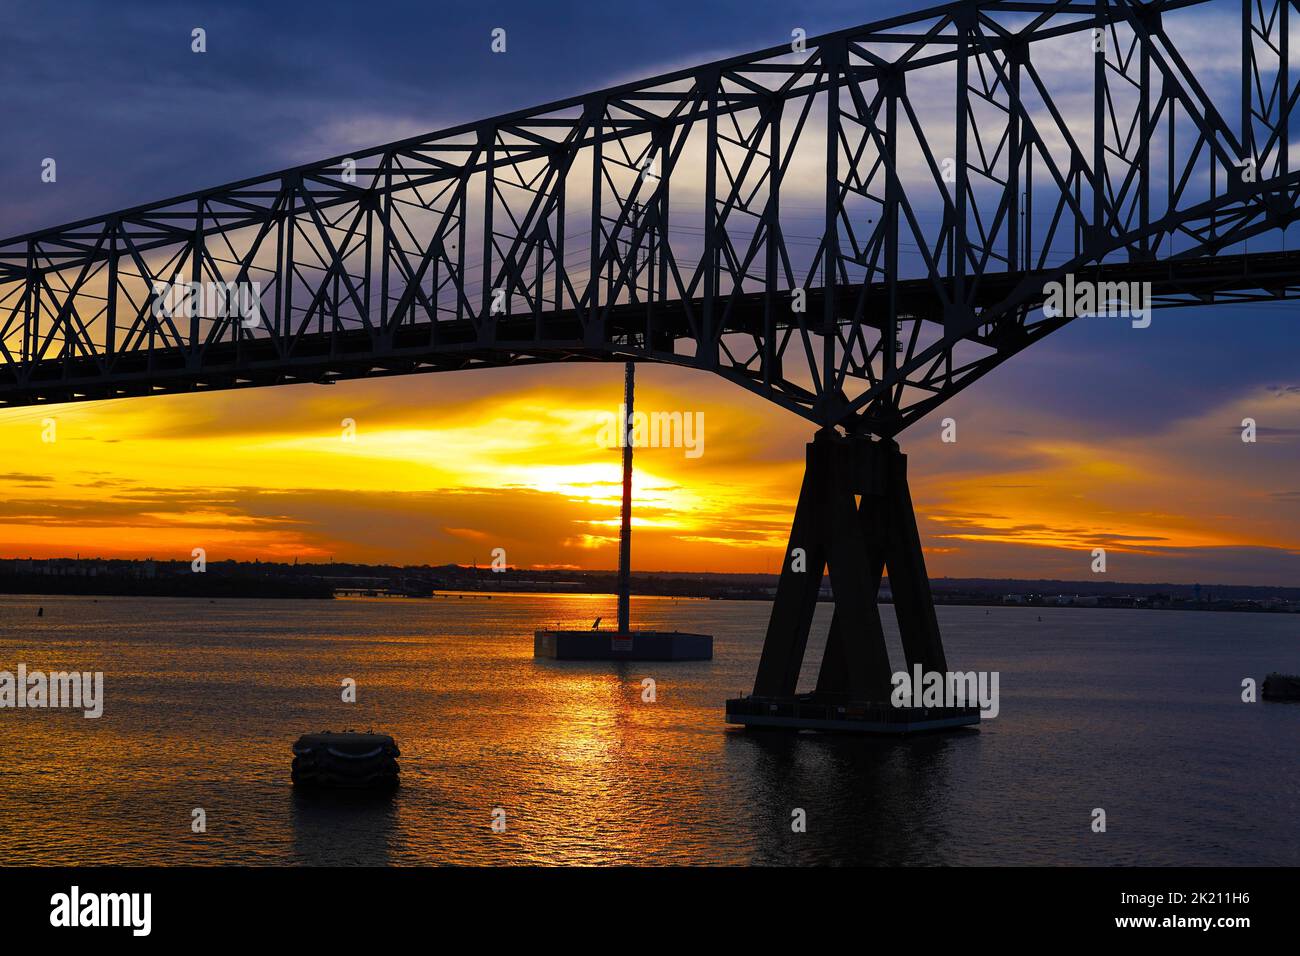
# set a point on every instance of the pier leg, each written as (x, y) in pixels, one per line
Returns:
(831, 677)
(854, 519)
(625, 525)
(863, 664)
(913, 603)
(796, 590)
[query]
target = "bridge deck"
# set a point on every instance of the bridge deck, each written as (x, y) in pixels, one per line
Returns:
(261, 359)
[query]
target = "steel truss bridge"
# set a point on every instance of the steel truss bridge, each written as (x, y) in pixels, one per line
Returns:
(855, 226)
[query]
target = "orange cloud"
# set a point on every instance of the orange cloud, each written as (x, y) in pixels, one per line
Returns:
(446, 468)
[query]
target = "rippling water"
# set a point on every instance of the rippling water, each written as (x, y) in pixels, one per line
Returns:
(1135, 712)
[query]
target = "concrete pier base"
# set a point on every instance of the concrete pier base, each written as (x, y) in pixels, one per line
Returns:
(626, 646)
(813, 712)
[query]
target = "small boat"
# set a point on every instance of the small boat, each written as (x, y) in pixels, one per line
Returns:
(346, 760)
(1281, 687)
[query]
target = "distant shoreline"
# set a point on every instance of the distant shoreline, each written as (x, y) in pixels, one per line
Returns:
(195, 587)
(482, 594)
(107, 577)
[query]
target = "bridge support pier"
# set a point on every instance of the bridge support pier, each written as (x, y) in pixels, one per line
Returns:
(854, 519)
(623, 643)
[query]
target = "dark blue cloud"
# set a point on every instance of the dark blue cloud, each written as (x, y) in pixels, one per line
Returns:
(115, 95)
(1100, 375)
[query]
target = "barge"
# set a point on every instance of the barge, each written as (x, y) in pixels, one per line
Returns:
(1281, 687)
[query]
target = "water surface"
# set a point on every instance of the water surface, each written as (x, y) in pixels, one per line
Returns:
(1136, 712)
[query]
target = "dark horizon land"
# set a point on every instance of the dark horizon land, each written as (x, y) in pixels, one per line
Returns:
(916, 350)
(98, 576)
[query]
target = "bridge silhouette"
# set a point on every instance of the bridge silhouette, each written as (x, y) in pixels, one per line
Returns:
(855, 226)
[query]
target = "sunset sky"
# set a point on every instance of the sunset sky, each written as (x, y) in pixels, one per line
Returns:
(1098, 437)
